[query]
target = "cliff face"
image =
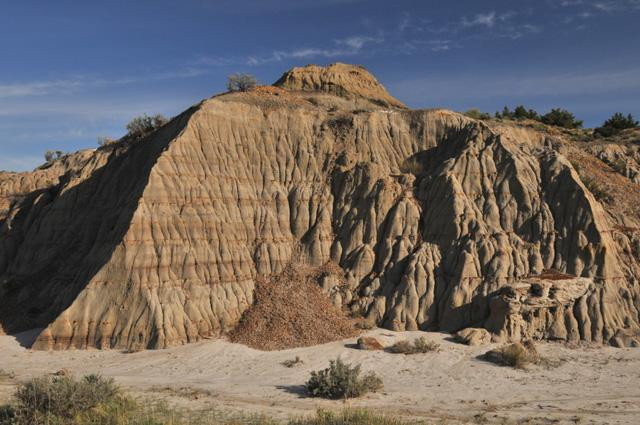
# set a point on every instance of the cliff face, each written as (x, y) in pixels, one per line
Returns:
(429, 214)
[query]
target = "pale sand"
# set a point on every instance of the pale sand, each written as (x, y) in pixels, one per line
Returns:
(590, 385)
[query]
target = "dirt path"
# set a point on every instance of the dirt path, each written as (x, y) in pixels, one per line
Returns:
(590, 385)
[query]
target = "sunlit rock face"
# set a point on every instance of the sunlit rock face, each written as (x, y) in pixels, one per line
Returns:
(428, 214)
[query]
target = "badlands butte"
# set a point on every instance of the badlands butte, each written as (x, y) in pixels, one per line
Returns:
(407, 219)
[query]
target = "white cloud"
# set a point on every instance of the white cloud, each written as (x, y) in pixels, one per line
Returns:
(481, 19)
(35, 88)
(343, 47)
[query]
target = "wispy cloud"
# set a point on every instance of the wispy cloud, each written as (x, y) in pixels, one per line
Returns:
(75, 84)
(481, 19)
(35, 88)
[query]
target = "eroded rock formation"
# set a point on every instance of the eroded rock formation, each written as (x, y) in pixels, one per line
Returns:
(429, 214)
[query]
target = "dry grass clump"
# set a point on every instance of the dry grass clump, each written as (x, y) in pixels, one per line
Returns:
(293, 362)
(412, 166)
(341, 380)
(418, 346)
(517, 355)
(349, 417)
(61, 400)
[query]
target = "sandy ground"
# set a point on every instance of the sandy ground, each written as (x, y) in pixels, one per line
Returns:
(588, 385)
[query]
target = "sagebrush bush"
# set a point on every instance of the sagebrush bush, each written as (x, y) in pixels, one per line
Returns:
(518, 355)
(419, 345)
(341, 380)
(422, 345)
(55, 398)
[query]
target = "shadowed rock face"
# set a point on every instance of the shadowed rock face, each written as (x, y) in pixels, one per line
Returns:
(428, 213)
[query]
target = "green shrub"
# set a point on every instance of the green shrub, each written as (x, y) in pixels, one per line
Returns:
(616, 124)
(561, 118)
(520, 113)
(241, 82)
(341, 380)
(419, 345)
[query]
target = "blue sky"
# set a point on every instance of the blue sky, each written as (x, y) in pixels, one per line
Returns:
(75, 70)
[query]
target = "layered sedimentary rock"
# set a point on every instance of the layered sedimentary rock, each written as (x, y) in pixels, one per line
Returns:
(428, 214)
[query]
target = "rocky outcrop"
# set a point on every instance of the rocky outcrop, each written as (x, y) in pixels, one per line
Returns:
(338, 79)
(540, 308)
(427, 215)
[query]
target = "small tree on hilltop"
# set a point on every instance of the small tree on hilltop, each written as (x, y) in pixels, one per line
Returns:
(561, 118)
(51, 156)
(241, 82)
(616, 124)
(142, 125)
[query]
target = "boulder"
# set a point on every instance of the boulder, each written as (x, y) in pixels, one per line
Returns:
(473, 336)
(369, 343)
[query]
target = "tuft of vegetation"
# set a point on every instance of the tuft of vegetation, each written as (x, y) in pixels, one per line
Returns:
(106, 141)
(476, 114)
(517, 355)
(51, 156)
(143, 125)
(412, 166)
(292, 362)
(616, 124)
(419, 345)
(598, 191)
(349, 417)
(341, 380)
(57, 398)
(241, 82)
(7, 415)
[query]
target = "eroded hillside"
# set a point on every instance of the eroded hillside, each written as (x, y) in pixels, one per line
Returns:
(435, 220)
